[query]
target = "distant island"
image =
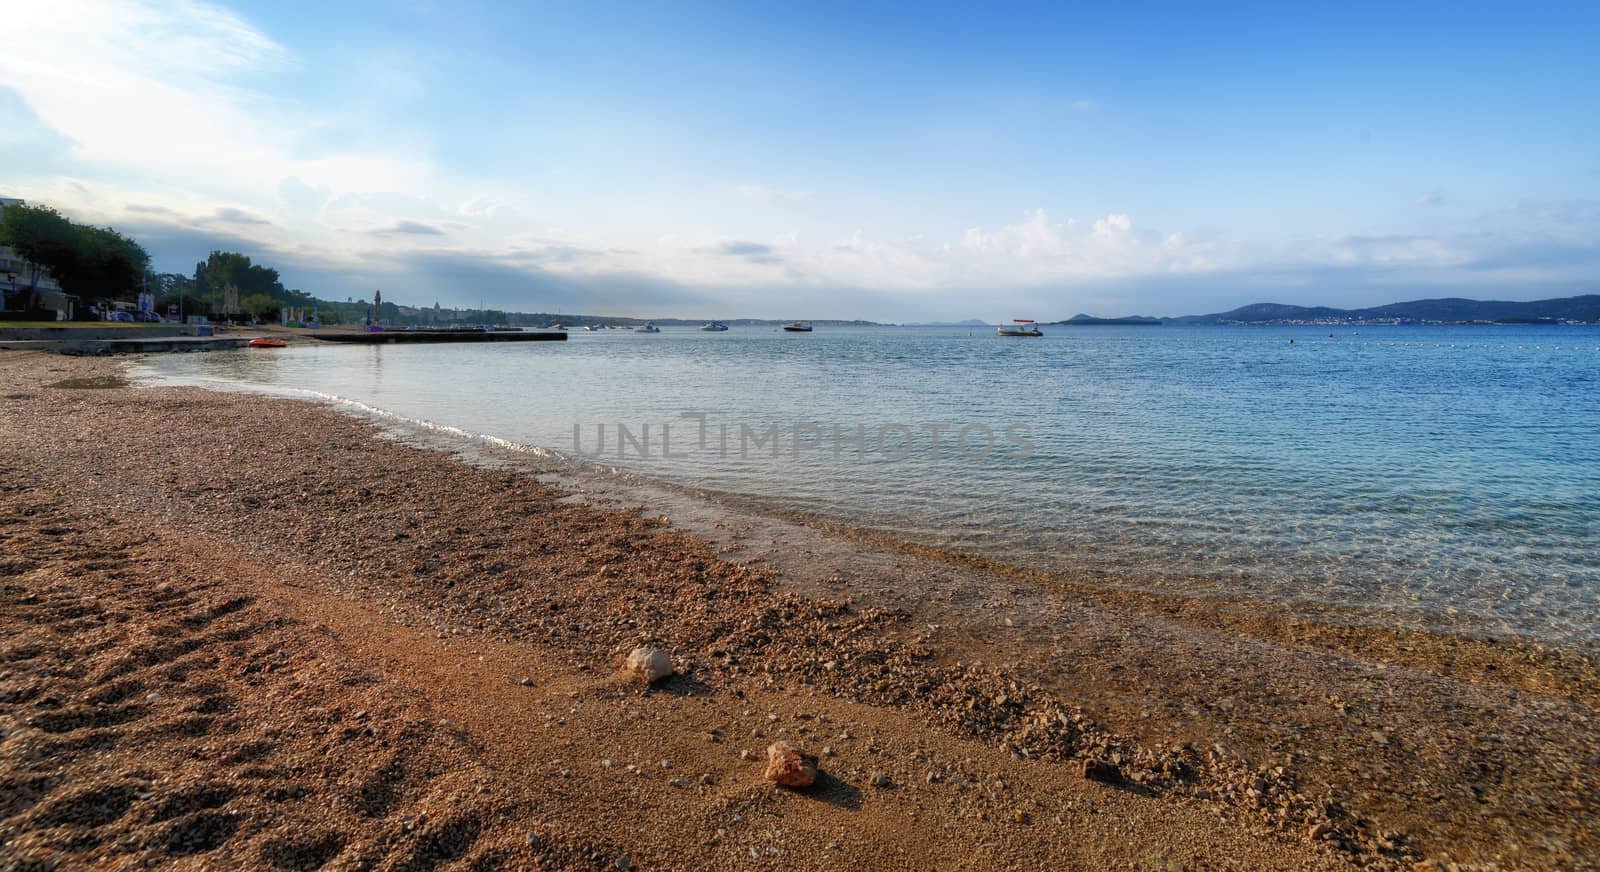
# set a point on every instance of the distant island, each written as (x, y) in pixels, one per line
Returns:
(1092, 321)
(1448, 310)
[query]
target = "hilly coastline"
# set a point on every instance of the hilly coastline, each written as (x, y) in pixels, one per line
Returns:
(1449, 310)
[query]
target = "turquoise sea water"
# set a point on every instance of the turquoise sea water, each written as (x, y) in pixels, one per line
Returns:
(1444, 475)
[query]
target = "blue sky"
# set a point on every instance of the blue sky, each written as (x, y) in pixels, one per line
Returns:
(899, 162)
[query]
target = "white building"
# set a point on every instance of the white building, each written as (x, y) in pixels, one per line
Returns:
(25, 286)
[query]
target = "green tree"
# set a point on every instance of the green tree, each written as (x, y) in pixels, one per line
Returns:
(108, 265)
(174, 290)
(262, 306)
(40, 236)
(225, 268)
(92, 262)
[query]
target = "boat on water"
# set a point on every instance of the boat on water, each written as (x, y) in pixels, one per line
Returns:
(268, 343)
(647, 327)
(1020, 327)
(798, 327)
(714, 327)
(591, 328)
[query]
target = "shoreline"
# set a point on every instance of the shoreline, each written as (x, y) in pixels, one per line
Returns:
(1303, 742)
(623, 486)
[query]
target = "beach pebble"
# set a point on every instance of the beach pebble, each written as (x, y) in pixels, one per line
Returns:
(1100, 770)
(652, 664)
(788, 766)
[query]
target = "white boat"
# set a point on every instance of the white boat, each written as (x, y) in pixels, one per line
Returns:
(593, 327)
(714, 327)
(798, 326)
(1020, 327)
(647, 327)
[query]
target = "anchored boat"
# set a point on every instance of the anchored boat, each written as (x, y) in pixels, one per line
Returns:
(714, 327)
(1021, 327)
(798, 327)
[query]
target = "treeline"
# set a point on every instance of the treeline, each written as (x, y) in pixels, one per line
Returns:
(99, 264)
(91, 262)
(227, 285)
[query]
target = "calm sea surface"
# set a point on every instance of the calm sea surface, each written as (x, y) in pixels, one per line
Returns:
(1442, 474)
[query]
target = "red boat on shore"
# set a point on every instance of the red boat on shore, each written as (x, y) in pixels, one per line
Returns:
(268, 343)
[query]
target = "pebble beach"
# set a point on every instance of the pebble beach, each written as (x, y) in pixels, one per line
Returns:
(245, 632)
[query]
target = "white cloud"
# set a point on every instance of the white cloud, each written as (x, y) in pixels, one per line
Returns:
(141, 86)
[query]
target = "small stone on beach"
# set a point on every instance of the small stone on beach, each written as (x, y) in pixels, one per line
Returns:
(788, 766)
(652, 664)
(1100, 770)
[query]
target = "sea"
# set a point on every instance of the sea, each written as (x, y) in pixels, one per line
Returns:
(1442, 477)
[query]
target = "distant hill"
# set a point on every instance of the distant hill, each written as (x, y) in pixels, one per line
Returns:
(970, 322)
(1585, 309)
(1082, 320)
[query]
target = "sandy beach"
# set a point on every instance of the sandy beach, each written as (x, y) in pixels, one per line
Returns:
(248, 632)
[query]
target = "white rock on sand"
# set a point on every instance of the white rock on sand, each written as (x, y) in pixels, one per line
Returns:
(650, 663)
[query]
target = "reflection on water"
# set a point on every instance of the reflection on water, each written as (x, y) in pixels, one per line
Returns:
(1448, 469)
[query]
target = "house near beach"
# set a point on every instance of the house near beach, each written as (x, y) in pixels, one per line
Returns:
(26, 287)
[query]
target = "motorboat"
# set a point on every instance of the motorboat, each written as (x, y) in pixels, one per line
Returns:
(1020, 327)
(268, 343)
(591, 328)
(714, 327)
(798, 327)
(647, 327)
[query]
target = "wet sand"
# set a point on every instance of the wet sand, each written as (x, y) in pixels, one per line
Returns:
(241, 631)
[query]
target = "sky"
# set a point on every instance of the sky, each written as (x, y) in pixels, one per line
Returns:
(860, 160)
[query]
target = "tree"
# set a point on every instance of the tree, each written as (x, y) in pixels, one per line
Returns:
(225, 268)
(174, 290)
(92, 262)
(261, 306)
(108, 264)
(40, 236)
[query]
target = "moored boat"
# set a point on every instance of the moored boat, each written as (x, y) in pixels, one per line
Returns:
(647, 327)
(1020, 327)
(798, 327)
(714, 327)
(268, 343)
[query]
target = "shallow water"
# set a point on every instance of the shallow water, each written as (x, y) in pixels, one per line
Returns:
(1448, 475)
